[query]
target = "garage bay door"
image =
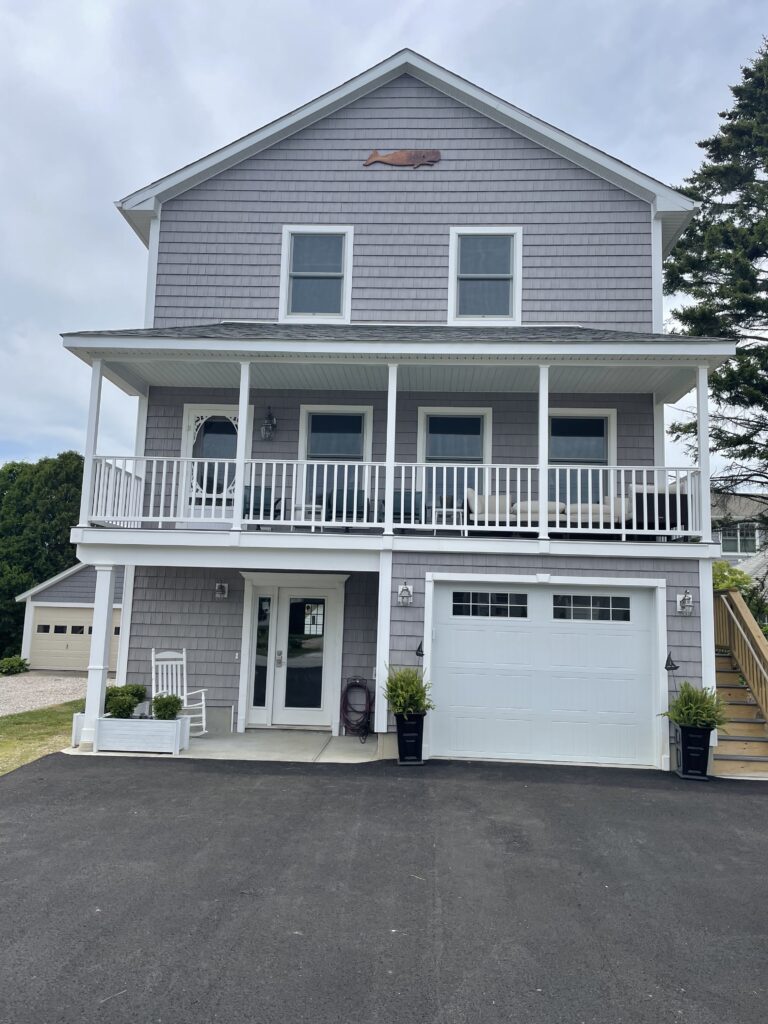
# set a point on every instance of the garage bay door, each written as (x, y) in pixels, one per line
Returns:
(61, 638)
(544, 673)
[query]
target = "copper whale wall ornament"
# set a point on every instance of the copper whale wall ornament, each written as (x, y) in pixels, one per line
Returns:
(405, 158)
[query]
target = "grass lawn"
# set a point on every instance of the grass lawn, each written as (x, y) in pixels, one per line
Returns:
(31, 734)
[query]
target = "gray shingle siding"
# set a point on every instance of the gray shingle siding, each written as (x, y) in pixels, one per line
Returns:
(175, 608)
(79, 588)
(586, 242)
(514, 420)
(683, 634)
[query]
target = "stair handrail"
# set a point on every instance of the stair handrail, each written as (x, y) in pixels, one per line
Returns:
(737, 629)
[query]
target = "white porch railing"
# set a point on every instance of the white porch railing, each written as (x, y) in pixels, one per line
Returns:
(136, 492)
(623, 501)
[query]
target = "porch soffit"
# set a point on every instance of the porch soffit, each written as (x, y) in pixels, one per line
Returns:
(667, 381)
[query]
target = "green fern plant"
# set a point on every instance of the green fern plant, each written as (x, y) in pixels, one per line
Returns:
(703, 709)
(407, 693)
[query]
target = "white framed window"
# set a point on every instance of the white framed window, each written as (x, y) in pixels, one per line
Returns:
(582, 437)
(740, 539)
(455, 435)
(316, 273)
(336, 433)
(485, 275)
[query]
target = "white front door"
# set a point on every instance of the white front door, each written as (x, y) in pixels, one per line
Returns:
(295, 656)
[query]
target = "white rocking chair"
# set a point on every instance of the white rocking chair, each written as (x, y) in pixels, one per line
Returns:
(169, 675)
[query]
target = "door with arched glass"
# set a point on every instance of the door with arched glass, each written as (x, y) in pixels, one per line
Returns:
(208, 460)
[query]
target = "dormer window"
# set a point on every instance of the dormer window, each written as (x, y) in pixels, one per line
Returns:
(484, 276)
(315, 282)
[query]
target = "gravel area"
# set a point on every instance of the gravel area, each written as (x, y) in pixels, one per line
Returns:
(30, 690)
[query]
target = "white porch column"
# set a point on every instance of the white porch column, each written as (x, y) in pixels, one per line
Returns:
(242, 439)
(91, 439)
(389, 469)
(543, 451)
(129, 573)
(98, 663)
(702, 419)
(382, 639)
(659, 434)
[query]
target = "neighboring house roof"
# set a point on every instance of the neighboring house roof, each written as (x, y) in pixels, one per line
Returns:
(756, 565)
(85, 592)
(738, 508)
(673, 209)
(437, 333)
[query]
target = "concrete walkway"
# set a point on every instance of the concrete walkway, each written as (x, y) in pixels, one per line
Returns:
(28, 691)
(291, 746)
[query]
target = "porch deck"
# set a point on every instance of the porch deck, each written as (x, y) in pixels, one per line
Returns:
(291, 746)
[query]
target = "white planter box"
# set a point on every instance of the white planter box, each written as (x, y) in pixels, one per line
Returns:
(142, 735)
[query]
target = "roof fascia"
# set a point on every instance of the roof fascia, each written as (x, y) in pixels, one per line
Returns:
(204, 348)
(49, 583)
(133, 207)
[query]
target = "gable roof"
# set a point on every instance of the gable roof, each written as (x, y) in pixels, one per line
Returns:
(673, 209)
(78, 567)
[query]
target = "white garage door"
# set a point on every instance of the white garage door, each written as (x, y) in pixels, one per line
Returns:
(543, 673)
(61, 638)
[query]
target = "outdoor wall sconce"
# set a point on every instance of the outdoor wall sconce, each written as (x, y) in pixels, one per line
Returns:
(405, 594)
(221, 592)
(269, 426)
(420, 650)
(670, 665)
(685, 603)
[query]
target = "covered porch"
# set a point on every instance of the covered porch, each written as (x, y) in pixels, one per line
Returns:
(523, 467)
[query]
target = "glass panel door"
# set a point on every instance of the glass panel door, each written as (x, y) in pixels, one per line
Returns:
(300, 661)
(262, 668)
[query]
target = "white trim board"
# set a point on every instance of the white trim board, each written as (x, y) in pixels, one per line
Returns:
(674, 209)
(659, 587)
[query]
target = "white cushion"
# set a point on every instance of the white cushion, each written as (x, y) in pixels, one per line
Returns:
(482, 504)
(523, 508)
(595, 513)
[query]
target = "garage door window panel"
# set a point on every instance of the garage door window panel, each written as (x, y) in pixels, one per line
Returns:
(591, 608)
(495, 605)
(44, 627)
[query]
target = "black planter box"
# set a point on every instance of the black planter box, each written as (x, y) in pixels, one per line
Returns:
(410, 735)
(692, 751)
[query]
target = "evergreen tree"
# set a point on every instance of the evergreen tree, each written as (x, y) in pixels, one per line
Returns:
(721, 265)
(39, 505)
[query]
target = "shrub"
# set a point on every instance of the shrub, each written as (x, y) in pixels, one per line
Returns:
(137, 689)
(166, 706)
(703, 709)
(120, 702)
(13, 665)
(406, 693)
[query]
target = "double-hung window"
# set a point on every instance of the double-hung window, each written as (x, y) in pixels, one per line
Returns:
(581, 438)
(485, 275)
(739, 539)
(315, 274)
(458, 440)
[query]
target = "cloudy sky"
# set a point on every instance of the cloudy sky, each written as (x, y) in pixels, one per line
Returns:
(102, 96)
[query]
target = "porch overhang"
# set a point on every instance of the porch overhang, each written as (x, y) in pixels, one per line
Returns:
(431, 358)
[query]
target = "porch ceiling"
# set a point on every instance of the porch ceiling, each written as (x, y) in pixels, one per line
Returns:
(668, 381)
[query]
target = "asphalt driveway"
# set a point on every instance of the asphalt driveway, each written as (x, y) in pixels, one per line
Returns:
(140, 891)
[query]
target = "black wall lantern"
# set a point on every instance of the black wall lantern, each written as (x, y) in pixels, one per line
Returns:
(269, 426)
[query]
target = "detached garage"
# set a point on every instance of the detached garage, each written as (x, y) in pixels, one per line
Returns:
(58, 621)
(565, 672)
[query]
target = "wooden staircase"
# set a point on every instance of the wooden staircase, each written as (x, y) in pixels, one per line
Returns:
(742, 682)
